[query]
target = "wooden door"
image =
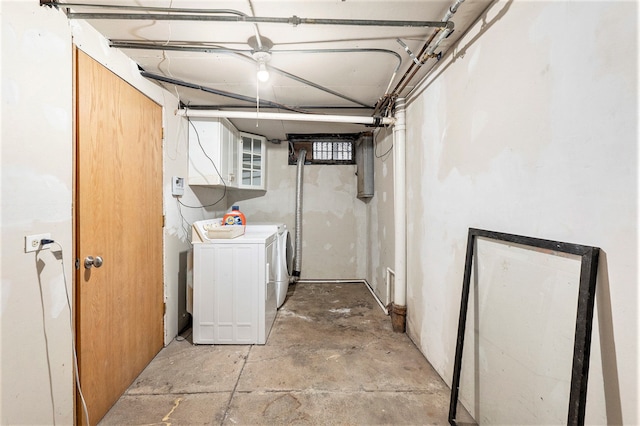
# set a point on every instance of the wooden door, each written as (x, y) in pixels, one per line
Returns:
(119, 305)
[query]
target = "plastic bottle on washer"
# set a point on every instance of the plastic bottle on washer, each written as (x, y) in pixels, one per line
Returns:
(234, 217)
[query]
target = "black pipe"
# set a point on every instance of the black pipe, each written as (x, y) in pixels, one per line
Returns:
(218, 92)
(148, 46)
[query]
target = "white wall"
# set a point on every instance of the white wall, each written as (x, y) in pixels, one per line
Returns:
(334, 232)
(179, 217)
(381, 244)
(531, 128)
(37, 177)
(36, 372)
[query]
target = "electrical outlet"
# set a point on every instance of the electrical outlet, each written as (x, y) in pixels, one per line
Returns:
(177, 186)
(32, 242)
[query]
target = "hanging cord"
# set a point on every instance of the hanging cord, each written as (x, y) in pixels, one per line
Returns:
(73, 335)
(257, 99)
(183, 221)
(375, 136)
(224, 193)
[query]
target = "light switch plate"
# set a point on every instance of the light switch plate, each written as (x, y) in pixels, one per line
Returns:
(177, 186)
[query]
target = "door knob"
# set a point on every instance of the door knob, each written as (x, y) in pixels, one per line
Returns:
(90, 261)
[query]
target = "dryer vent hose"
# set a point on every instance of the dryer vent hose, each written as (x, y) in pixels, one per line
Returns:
(297, 261)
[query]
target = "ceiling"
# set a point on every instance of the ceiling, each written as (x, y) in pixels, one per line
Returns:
(318, 62)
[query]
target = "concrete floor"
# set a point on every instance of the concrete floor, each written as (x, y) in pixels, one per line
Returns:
(331, 358)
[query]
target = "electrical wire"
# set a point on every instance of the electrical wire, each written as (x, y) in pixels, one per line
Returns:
(183, 221)
(73, 336)
(224, 193)
(175, 87)
(375, 149)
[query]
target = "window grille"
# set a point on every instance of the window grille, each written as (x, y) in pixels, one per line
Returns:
(323, 149)
(338, 151)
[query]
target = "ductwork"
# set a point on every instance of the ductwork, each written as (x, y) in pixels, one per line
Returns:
(297, 260)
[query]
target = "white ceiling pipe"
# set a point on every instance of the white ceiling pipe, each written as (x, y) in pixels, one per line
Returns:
(196, 113)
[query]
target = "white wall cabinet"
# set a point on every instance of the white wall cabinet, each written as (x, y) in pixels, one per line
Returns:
(252, 161)
(220, 155)
(213, 152)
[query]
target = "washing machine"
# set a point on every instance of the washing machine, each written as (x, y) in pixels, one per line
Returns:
(283, 256)
(234, 284)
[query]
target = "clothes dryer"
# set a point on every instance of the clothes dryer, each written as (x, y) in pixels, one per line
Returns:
(283, 256)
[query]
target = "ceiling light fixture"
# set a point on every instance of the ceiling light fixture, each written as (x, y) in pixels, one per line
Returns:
(261, 54)
(263, 73)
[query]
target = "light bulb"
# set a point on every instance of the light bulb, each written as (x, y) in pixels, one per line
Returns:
(263, 74)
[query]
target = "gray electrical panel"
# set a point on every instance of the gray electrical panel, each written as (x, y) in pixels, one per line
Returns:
(364, 165)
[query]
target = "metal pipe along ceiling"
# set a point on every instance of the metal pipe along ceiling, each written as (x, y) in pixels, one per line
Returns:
(217, 92)
(425, 53)
(239, 53)
(443, 28)
(180, 14)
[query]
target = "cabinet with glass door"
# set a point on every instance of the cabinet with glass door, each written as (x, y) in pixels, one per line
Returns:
(252, 158)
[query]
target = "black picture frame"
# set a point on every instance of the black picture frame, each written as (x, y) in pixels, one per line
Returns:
(584, 319)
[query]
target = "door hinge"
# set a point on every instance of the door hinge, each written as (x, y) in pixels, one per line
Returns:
(77, 263)
(164, 220)
(164, 308)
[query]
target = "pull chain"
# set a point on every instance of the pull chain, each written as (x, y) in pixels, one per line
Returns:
(257, 99)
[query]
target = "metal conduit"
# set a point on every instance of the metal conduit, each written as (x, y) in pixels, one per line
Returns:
(239, 53)
(426, 51)
(369, 50)
(217, 92)
(294, 20)
(121, 44)
(158, 9)
(255, 27)
(203, 15)
(58, 4)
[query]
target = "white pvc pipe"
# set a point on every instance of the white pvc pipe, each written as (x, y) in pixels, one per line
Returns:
(399, 210)
(387, 280)
(284, 116)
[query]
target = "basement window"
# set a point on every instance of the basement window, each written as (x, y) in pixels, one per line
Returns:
(323, 148)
